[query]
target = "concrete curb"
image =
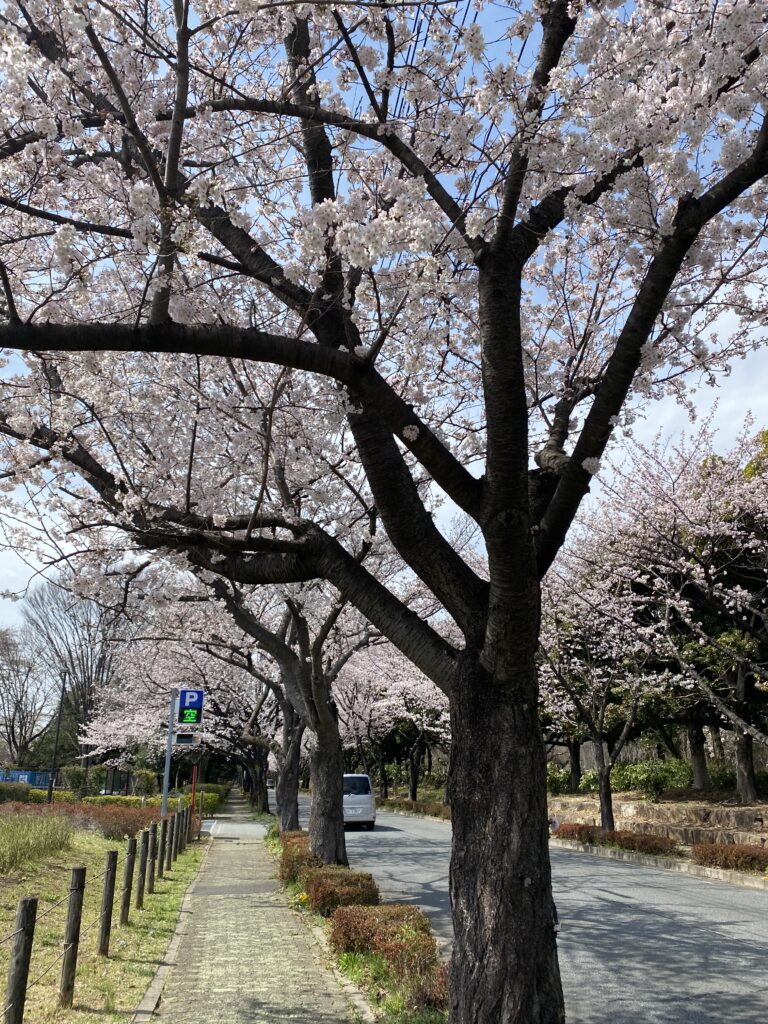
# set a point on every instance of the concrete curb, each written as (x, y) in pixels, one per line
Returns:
(355, 996)
(685, 867)
(145, 1011)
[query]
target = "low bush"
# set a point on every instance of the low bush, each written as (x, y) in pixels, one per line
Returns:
(722, 775)
(430, 807)
(60, 796)
(118, 822)
(652, 777)
(641, 842)
(14, 791)
(25, 836)
(353, 928)
(329, 887)
(577, 832)
(736, 856)
(295, 857)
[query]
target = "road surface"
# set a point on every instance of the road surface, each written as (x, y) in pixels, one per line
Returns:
(637, 945)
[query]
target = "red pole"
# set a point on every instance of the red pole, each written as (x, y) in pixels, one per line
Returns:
(194, 786)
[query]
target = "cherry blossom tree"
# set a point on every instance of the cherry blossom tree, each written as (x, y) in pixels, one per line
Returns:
(401, 245)
(686, 527)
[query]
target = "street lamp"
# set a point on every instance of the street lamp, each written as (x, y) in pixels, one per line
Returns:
(64, 674)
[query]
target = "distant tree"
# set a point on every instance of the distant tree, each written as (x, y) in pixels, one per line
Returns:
(25, 694)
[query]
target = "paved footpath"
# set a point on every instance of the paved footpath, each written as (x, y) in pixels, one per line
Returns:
(245, 957)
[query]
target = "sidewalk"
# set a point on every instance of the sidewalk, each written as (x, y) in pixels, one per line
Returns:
(244, 957)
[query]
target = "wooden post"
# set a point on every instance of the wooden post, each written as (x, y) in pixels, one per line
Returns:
(190, 821)
(202, 802)
(184, 830)
(141, 880)
(176, 831)
(72, 937)
(18, 967)
(163, 844)
(152, 857)
(125, 895)
(107, 899)
(169, 847)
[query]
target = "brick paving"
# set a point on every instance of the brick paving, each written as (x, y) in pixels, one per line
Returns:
(245, 957)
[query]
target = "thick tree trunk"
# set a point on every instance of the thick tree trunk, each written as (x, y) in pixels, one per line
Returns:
(604, 786)
(415, 755)
(697, 747)
(383, 779)
(287, 786)
(746, 783)
(258, 795)
(717, 742)
(504, 968)
(326, 816)
(574, 760)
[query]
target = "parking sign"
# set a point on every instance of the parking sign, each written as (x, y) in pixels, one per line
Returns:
(190, 707)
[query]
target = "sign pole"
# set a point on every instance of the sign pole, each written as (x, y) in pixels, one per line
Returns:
(169, 750)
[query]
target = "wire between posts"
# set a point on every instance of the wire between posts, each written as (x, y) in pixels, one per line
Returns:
(93, 923)
(7, 938)
(53, 906)
(50, 967)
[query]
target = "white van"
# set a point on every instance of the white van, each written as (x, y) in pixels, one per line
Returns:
(359, 801)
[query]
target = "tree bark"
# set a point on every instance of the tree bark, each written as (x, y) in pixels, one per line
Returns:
(383, 779)
(257, 769)
(697, 747)
(746, 783)
(717, 743)
(415, 756)
(287, 786)
(326, 816)
(574, 760)
(504, 966)
(604, 786)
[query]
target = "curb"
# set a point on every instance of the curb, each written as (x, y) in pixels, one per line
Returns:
(354, 995)
(685, 867)
(145, 1011)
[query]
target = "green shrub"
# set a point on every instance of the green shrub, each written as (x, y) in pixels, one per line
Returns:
(579, 833)
(16, 791)
(722, 775)
(641, 842)
(26, 836)
(588, 782)
(558, 779)
(428, 807)
(329, 887)
(736, 856)
(144, 782)
(295, 857)
(652, 777)
(60, 796)
(75, 778)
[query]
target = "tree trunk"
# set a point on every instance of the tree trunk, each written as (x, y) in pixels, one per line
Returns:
(717, 743)
(604, 786)
(259, 792)
(326, 816)
(574, 760)
(287, 786)
(504, 968)
(414, 768)
(746, 783)
(697, 747)
(383, 779)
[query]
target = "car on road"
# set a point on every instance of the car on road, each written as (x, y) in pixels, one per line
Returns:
(359, 801)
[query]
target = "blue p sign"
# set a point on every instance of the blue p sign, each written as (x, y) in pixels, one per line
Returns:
(191, 707)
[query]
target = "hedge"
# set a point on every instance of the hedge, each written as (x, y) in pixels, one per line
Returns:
(357, 929)
(295, 857)
(593, 835)
(211, 801)
(435, 810)
(736, 856)
(110, 822)
(329, 887)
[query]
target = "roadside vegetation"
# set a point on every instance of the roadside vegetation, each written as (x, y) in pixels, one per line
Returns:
(37, 853)
(389, 952)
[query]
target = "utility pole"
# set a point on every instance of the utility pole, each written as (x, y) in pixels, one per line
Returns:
(54, 766)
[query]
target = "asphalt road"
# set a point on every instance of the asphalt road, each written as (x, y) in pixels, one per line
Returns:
(637, 945)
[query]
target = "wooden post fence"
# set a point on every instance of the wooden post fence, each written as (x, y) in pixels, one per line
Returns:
(72, 937)
(107, 899)
(163, 844)
(142, 878)
(169, 846)
(152, 857)
(125, 895)
(18, 967)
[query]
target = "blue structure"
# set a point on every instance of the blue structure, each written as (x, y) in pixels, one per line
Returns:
(37, 780)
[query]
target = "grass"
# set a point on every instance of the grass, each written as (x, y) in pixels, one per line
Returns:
(370, 972)
(24, 838)
(107, 990)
